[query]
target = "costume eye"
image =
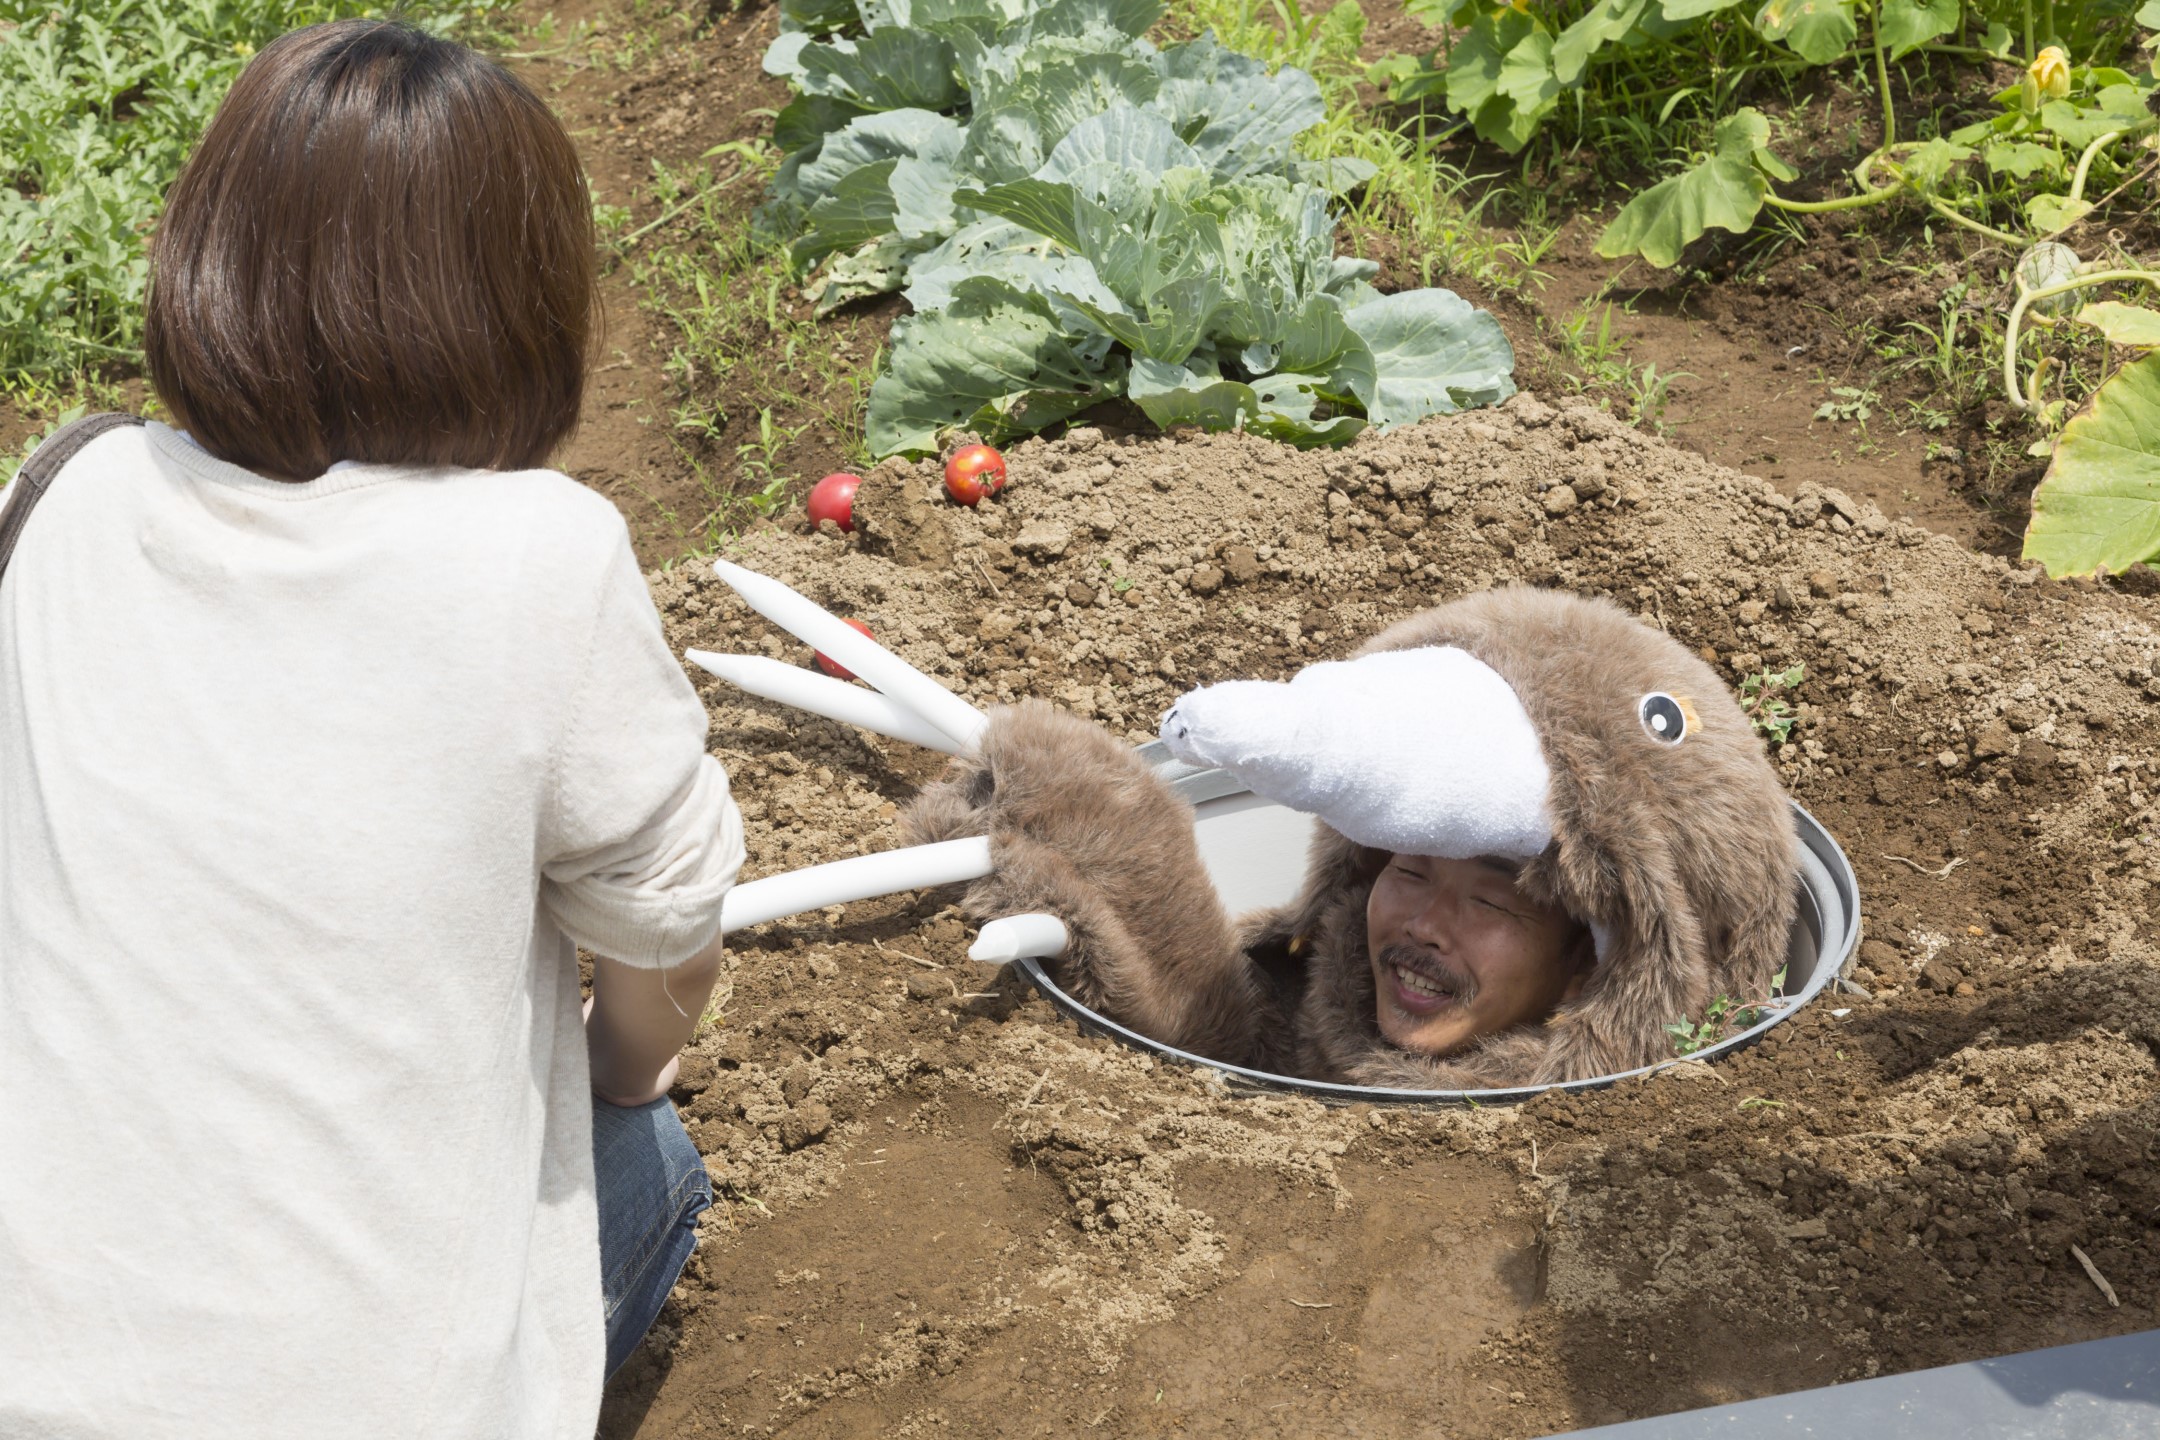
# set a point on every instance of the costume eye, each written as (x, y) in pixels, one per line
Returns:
(1664, 719)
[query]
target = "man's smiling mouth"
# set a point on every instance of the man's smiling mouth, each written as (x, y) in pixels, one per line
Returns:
(1422, 985)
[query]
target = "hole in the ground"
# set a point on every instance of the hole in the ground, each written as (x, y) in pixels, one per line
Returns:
(1255, 851)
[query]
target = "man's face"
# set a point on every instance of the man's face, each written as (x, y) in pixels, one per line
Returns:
(1458, 952)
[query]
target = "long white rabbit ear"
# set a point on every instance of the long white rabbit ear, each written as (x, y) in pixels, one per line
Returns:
(900, 682)
(864, 877)
(1426, 751)
(834, 699)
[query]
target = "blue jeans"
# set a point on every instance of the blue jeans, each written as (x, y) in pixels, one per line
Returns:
(651, 1184)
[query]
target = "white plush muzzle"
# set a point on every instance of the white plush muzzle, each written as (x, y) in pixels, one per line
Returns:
(1420, 752)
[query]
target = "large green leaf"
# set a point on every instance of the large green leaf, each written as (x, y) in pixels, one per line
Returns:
(2021, 159)
(1005, 144)
(2117, 107)
(2098, 507)
(1239, 117)
(2053, 214)
(1279, 406)
(887, 70)
(1061, 94)
(877, 268)
(1433, 353)
(2122, 324)
(1043, 206)
(1020, 257)
(1528, 85)
(867, 139)
(1724, 192)
(1287, 402)
(1906, 25)
(1677, 10)
(1174, 395)
(1500, 75)
(1138, 232)
(941, 15)
(1818, 31)
(995, 360)
(922, 192)
(1338, 174)
(859, 209)
(784, 56)
(1928, 165)
(1605, 22)
(1127, 137)
(1171, 318)
(810, 118)
(1319, 341)
(818, 16)
(1133, 18)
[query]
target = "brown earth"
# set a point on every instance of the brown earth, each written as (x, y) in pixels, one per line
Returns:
(1053, 1235)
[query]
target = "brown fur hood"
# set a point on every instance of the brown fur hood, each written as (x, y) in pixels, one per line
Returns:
(1681, 856)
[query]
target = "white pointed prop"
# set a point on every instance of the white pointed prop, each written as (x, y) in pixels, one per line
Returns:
(1020, 937)
(862, 878)
(834, 699)
(901, 682)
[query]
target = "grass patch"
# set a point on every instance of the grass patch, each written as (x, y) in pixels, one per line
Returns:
(763, 389)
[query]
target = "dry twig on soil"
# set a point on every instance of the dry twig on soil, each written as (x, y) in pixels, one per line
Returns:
(2092, 1272)
(1938, 874)
(932, 964)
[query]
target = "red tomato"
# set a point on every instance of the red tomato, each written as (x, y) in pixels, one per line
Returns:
(833, 498)
(831, 666)
(973, 472)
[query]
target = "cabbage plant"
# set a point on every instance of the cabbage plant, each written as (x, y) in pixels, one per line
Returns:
(1076, 214)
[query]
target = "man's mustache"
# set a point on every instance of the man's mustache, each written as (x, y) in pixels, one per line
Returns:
(1452, 978)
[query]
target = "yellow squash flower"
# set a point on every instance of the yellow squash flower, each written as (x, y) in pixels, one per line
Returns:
(2047, 78)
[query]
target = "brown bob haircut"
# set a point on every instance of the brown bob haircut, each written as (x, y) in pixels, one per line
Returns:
(382, 251)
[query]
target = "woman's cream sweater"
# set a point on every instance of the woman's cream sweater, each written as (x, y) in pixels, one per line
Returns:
(305, 793)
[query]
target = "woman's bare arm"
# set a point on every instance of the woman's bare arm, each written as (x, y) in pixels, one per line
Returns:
(638, 1020)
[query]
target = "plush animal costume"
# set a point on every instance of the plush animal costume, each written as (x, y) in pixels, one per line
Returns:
(1520, 722)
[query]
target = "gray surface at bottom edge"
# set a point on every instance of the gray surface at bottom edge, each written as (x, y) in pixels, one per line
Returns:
(2098, 1390)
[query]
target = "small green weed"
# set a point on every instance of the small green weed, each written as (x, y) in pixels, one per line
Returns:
(1647, 393)
(1763, 699)
(1601, 358)
(1725, 1017)
(1849, 405)
(1724, 1013)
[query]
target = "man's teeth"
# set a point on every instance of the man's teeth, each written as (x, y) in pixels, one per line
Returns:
(1418, 984)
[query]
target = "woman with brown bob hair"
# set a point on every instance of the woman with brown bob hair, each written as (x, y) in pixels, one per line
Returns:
(330, 725)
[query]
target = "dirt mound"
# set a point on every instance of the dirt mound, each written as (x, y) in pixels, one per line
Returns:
(945, 1212)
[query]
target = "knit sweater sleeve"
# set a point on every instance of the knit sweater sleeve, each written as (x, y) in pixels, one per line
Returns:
(641, 838)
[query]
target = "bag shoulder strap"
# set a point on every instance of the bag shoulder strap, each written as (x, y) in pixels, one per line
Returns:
(44, 465)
